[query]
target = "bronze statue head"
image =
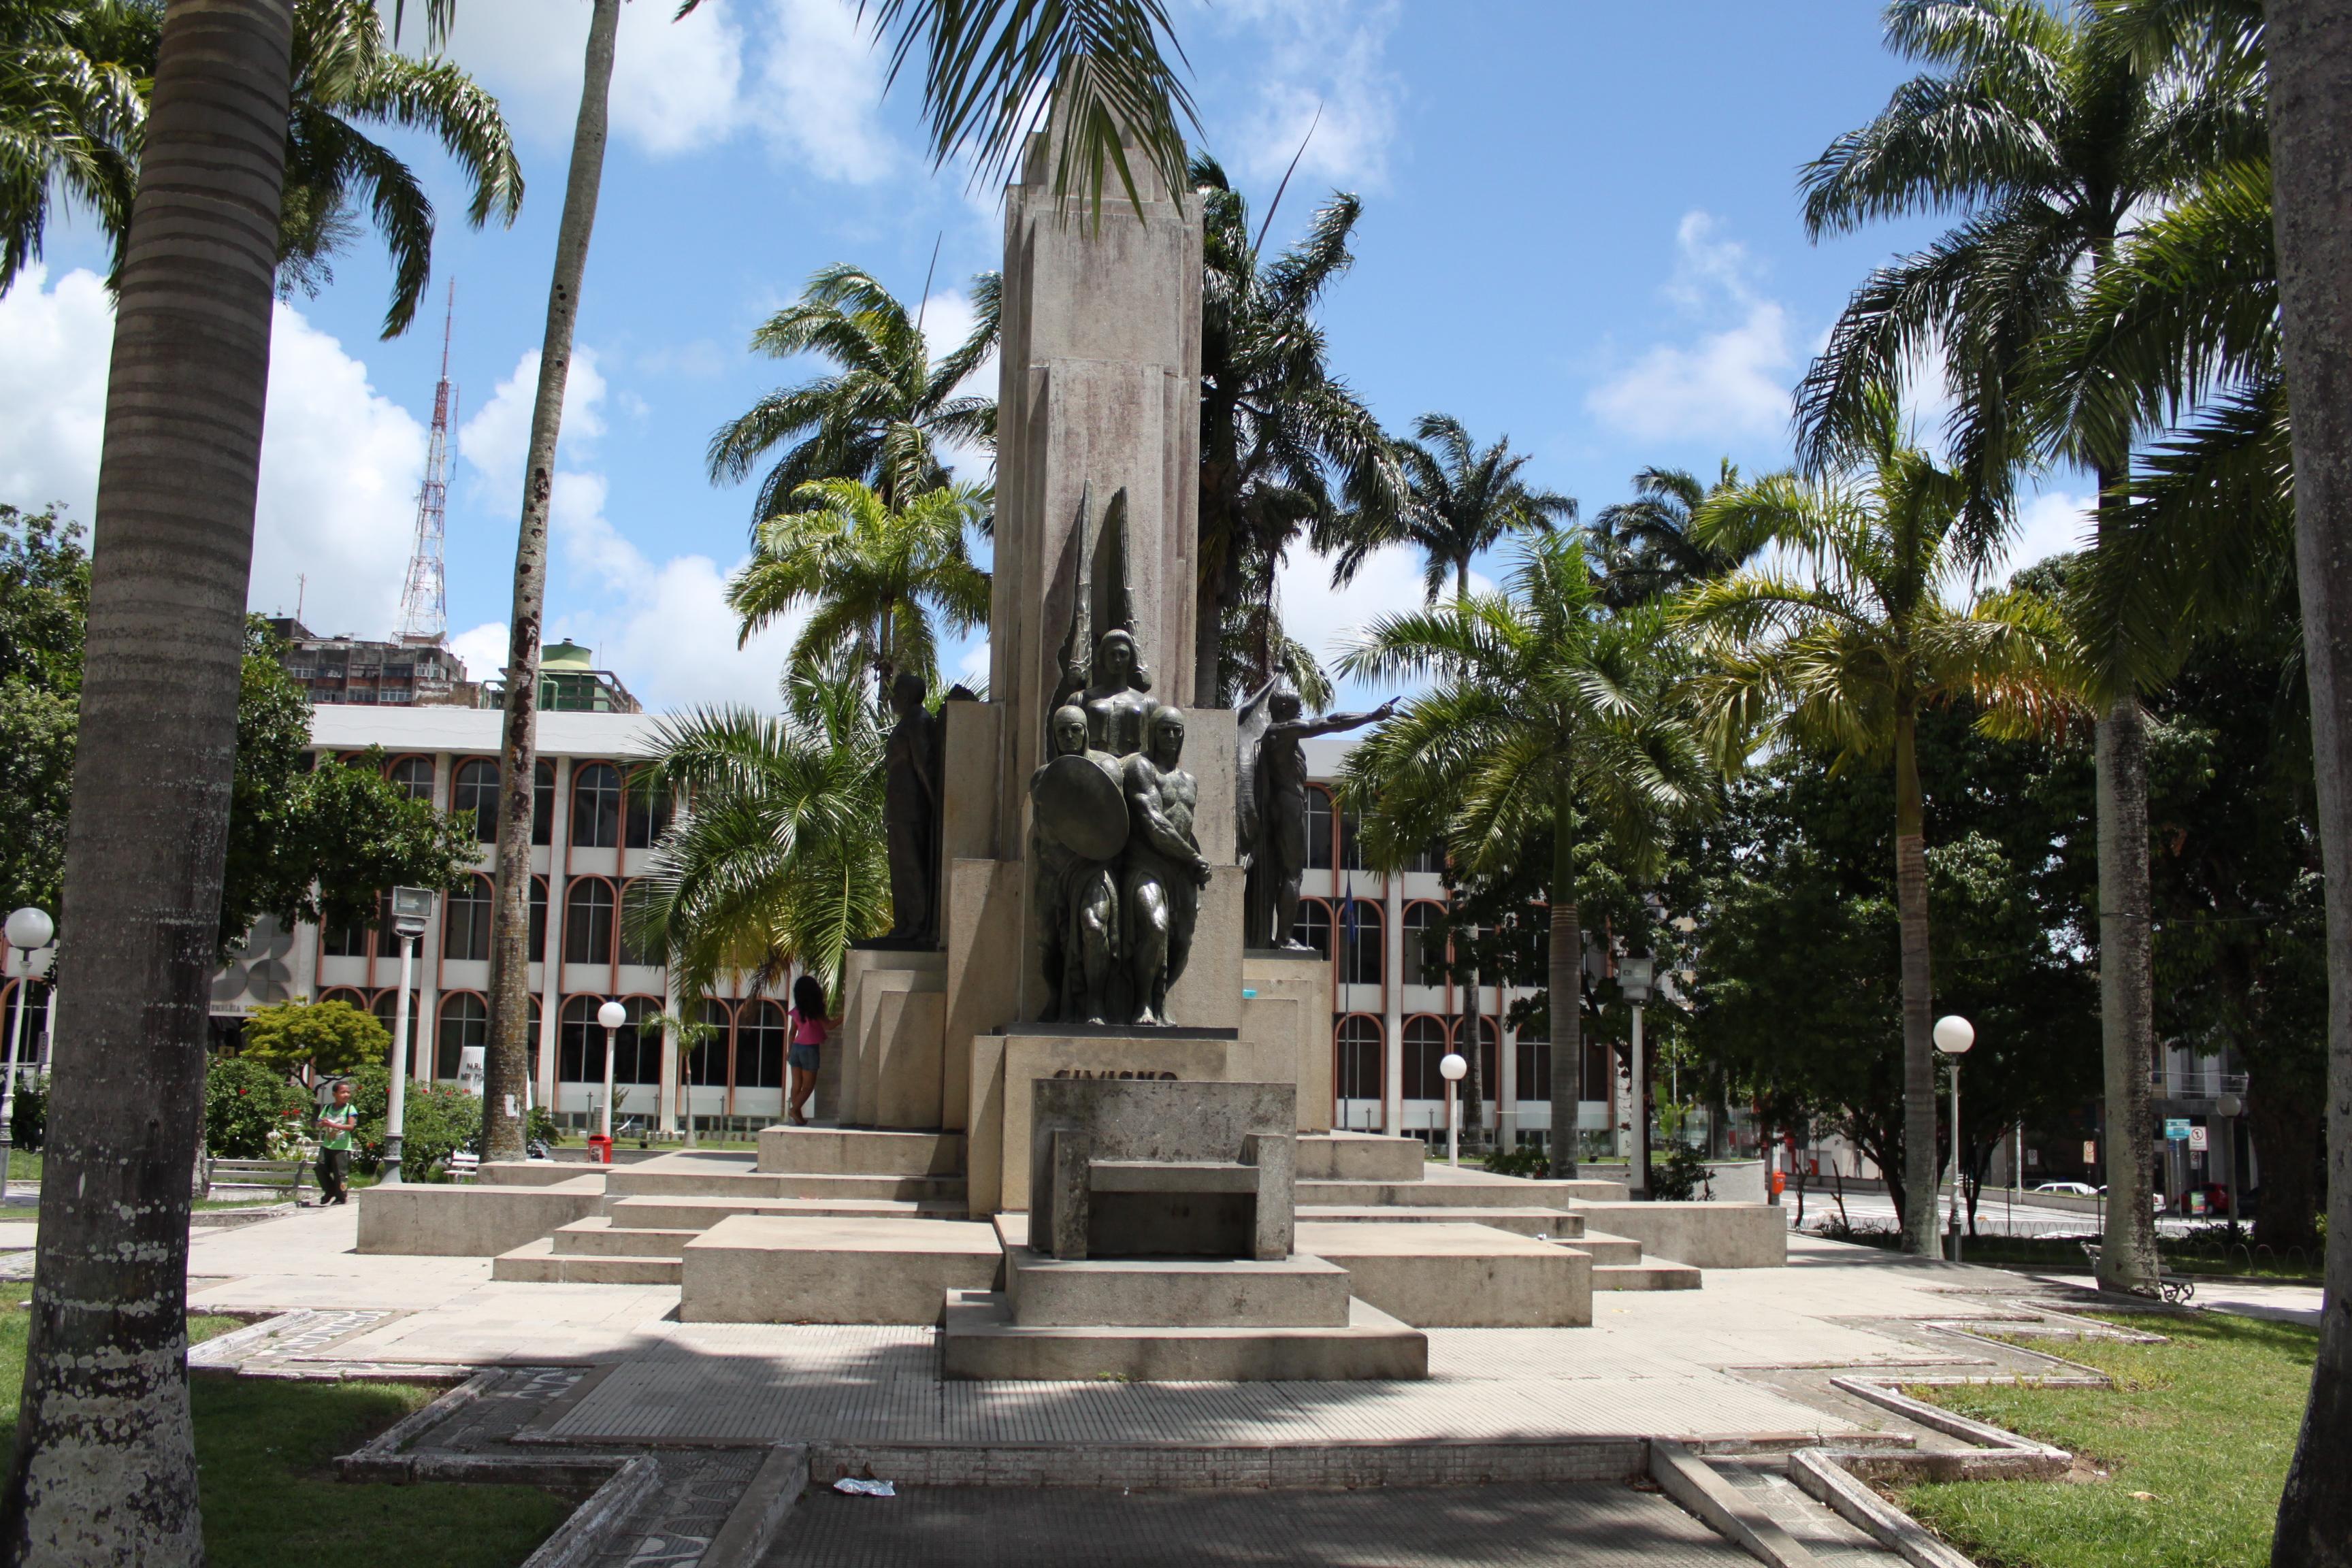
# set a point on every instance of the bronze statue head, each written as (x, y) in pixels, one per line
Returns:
(907, 693)
(1114, 658)
(1167, 740)
(1069, 730)
(1283, 704)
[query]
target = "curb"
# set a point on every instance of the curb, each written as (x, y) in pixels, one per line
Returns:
(582, 1535)
(1716, 1503)
(750, 1528)
(1820, 1474)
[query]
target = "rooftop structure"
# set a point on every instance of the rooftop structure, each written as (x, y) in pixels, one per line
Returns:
(347, 670)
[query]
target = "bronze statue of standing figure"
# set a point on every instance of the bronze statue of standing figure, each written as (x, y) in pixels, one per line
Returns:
(910, 813)
(1165, 869)
(1271, 804)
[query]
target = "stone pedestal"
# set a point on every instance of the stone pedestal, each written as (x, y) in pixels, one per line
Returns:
(893, 1036)
(1287, 1021)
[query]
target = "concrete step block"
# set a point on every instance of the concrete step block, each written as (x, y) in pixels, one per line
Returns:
(1607, 1249)
(1650, 1274)
(1179, 1293)
(1458, 1190)
(859, 1152)
(1704, 1235)
(538, 1263)
(771, 1268)
(598, 1236)
(469, 1220)
(979, 1340)
(1359, 1157)
(1457, 1275)
(1545, 1225)
(627, 1183)
(689, 1211)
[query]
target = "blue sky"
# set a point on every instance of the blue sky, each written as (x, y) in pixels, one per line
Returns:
(1579, 228)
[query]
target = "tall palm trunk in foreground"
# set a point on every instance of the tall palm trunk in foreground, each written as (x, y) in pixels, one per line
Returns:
(105, 1464)
(506, 1063)
(2127, 1259)
(1919, 1164)
(2311, 152)
(1565, 963)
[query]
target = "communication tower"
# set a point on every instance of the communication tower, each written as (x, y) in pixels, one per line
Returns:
(425, 600)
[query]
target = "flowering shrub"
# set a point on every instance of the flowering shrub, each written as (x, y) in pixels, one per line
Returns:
(247, 1107)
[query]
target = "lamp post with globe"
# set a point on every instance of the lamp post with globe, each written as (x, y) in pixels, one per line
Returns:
(29, 931)
(612, 1016)
(411, 912)
(1451, 1069)
(1634, 973)
(1954, 1036)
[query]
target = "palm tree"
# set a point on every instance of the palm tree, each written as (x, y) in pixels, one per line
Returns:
(881, 418)
(778, 864)
(1544, 712)
(2049, 132)
(876, 576)
(1276, 426)
(76, 110)
(103, 1467)
(2311, 146)
(1647, 547)
(1841, 653)
(1460, 500)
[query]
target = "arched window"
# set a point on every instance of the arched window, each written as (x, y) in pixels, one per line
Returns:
(465, 1021)
(1355, 1068)
(538, 938)
(1490, 1082)
(1423, 957)
(1534, 1053)
(1314, 926)
(648, 808)
(632, 894)
(596, 807)
(760, 1038)
(1318, 827)
(385, 1005)
(414, 776)
(637, 1051)
(1424, 1048)
(543, 803)
(706, 1065)
(588, 920)
(346, 994)
(1360, 946)
(466, 921)
(579, 1041)
(474, 789)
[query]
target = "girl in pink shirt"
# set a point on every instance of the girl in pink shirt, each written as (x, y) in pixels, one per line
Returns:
(808, 1033)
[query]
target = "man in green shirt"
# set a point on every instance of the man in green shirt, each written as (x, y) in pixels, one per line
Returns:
(337, 1122)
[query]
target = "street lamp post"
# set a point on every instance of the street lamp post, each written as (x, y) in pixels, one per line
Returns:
(1450, 1069)
(612, 1015)
(412, 910)
(28, 931)
(1633, 975)
(1954, 1036)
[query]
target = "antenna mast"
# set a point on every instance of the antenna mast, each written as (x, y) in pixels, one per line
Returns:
(424, 599)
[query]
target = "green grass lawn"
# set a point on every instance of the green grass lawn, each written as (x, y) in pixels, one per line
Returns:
(2195, 1437)
(2053, 1252)
(265, 1451)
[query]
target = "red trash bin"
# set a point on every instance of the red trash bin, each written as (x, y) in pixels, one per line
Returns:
(600, 1149)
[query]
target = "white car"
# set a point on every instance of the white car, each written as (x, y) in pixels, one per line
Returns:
(2071, 1189)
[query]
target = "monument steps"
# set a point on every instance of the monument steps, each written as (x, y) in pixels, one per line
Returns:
(539, 1263)
(1457, 1190)
(979, 1340)
(599, 1236)
(1550, 1224)
(1359, 1157)
(1650, 1274)
(1606, 1250)
(692, 1211)
(645, 1181)
(1456, 1275)
(859, 1152)
(1295, 1293)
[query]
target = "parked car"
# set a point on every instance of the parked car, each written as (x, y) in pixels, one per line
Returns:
(2070, 1189)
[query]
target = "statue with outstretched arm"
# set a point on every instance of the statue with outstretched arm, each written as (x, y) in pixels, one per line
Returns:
(1272, 804)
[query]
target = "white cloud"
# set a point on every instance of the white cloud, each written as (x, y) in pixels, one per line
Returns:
(948, 317)
(1321, 65)
(676, 86)
(55, 344)
(1732, 381)
(497, 439)
(670, 635)
(482, 650)
(336, 512)
(1328, 620)
(820, 86)
(2052, 523)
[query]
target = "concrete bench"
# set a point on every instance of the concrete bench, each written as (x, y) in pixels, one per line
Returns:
(275, 1175)
(1150, 1169)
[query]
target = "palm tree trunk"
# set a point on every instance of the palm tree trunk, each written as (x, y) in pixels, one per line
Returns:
(2310, 52)
(2126, 1002)
(1919, 1043)
(1566, 959)
(1473, 1085)
(105, 1469)
(506, 1063)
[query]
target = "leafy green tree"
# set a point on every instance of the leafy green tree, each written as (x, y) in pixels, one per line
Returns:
(1461, 500)
(1544, 712)
(1840, 652)
(44, 600)
(877, 574)
(1278, 428)
(780, 866)
(329, 1037)
(436, 1120)
(1647, 548)
(245, 1102)
(2050, 132)
(882, 415)
(81, 112)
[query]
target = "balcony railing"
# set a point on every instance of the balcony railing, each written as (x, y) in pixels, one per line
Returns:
(2196, 1085)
